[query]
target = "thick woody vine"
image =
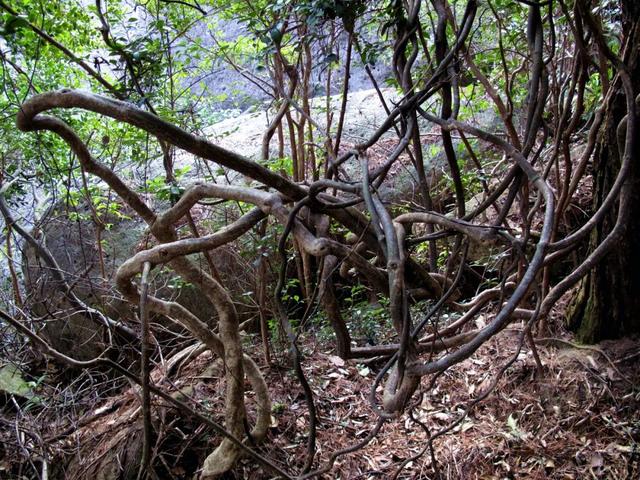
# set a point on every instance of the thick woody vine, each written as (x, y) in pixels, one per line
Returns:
(382, 254)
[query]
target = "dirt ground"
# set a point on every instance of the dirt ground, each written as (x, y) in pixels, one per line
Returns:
(576, 418)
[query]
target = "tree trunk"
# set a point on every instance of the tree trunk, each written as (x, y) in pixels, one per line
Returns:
(607, 305)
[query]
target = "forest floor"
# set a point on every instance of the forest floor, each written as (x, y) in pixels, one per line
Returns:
(576, 418)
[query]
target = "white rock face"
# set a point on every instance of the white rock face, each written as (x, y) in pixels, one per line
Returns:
(364, 115)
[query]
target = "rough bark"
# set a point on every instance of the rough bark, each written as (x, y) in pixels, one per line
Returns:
(606, 304)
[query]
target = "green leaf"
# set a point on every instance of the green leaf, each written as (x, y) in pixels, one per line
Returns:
(15, 23)
(11, 382)
(276, 34)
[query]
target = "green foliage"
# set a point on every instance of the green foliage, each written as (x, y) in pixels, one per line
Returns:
(102, 204)
(153, 54)
(12, 382)
(13, 23)
(443, 256)
(367, 321)
(146, 35)
(291, 291)
(171, 192)
(316, 12)
(282, 165)
(171, 280)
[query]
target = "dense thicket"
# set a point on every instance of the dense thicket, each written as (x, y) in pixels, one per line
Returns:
(516, 123)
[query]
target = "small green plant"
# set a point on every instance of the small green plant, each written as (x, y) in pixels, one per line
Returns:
(167, 191)
(280, 164)
(175, 283)
(274, 329)
(291, 290)
(102, 204)
(443, 256)
(367, 321)
(322, 327)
